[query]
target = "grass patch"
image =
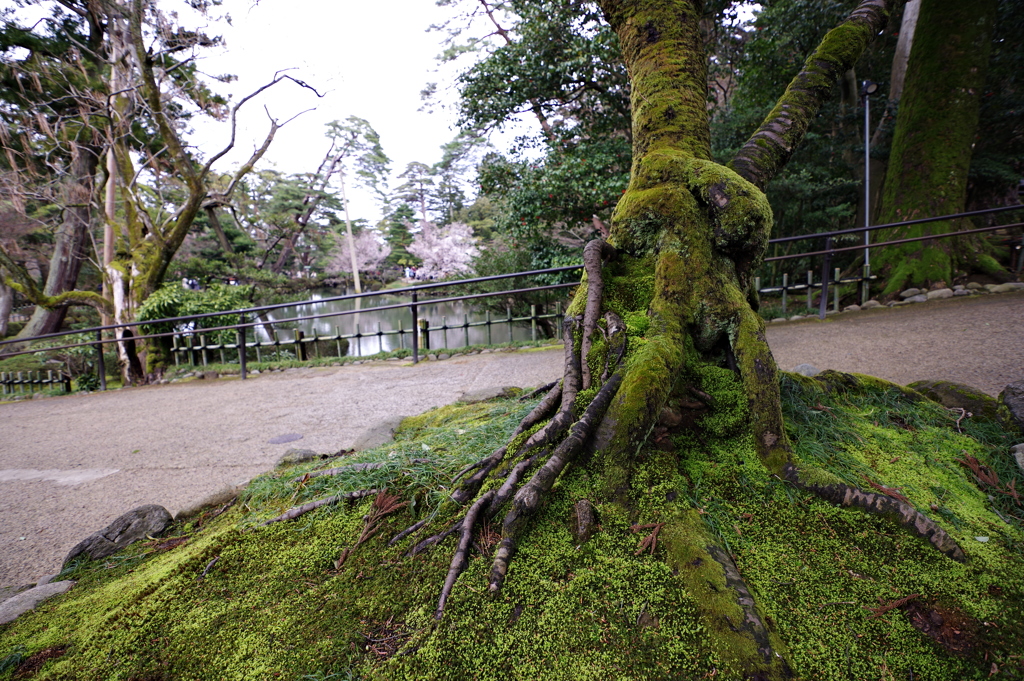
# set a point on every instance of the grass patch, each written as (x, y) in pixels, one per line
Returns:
(230, 599)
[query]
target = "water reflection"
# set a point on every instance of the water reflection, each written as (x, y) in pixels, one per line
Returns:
(452, 314)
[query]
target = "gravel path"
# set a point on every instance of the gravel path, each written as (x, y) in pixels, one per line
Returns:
(70, 465)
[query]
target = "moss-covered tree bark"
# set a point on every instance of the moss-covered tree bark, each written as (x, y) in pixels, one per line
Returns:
(932, 144)
(664, 323)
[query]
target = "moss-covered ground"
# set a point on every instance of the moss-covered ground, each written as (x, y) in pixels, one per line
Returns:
(222, 597)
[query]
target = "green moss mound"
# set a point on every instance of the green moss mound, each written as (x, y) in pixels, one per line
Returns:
(851, 595)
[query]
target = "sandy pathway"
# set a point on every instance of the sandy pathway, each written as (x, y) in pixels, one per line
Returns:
(70, 465)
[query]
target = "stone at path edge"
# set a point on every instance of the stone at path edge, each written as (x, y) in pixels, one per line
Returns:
(151, 519)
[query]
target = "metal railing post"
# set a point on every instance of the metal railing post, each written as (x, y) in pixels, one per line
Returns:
(835, 292)
(533, 323)
(865, 285)
(300, 346)
(415, 331)
(810, 288)
(823, 302)
(509, 311)
(785, 283)
(241, 345)
(465, 329)
(101, 367)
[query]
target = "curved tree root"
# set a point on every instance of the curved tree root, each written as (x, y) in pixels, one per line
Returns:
(760, 377)
(462, 552)
(294, 513)
(537, 447)
(593, 254)
(753, 624)
(880, 504)
(528, 498)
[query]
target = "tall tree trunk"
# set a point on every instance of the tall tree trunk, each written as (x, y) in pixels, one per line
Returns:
(902, 55)
(71, 240)
(933, 141)
(6, 304)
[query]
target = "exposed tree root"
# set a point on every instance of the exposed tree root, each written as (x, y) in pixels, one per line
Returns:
(594, 253)
(294, 513)
(549, 433)
(528, 498)
(752, 625)
(537, 391)
(462, 552)
(553, 446)
(880, 504)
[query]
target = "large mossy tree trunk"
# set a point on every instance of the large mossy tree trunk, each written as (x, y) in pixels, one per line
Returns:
(932, 144)
(691, 232)
(70, 245)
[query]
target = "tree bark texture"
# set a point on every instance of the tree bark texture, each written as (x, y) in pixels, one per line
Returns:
(70, 241)
(933, 141)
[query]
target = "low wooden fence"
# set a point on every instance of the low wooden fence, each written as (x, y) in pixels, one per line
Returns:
(12, 382)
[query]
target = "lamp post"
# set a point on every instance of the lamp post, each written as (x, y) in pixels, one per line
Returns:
(867, 89)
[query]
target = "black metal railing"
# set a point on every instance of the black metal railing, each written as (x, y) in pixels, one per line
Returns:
(864, 278)
(192, 345)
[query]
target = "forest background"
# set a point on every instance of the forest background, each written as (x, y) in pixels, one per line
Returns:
(113, 194)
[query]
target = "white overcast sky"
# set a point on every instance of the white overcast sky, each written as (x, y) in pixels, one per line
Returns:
(369, 59)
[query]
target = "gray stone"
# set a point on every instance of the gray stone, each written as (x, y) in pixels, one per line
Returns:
(990, 287)
(432, 357)
(897, 303)
(870, 304)
(29, 599)
(1017, 451)
(1012, 398)
(940, 294)
(958, 396)
(922, 298)
(378, 435)
(38, 396)
(129, 528)
(583, 521)
(485, 394)
(796, 317)
(963, 292)
(830, 311)
(910, 293)
(391, 359)
(806, 370)
(254, 372)
(779, 319)
(1009, 287)
(46, 579)
(973, 285)
(959, 287)
(443, 355)
(851, 308)
(293, 456)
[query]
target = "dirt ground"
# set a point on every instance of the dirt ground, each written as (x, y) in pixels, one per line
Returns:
(70, 465)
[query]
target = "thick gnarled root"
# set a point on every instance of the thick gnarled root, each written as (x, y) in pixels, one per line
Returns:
(547, 452)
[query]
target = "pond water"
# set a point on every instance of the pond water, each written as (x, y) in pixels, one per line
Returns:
(452, 314)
